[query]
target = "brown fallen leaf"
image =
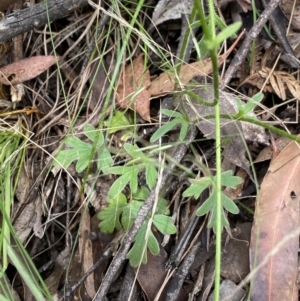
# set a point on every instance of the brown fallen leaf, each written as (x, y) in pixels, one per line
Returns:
(291, 12)
(267, 152)
(276, 217)
(131, 91)
(25, 69)
(235, 267)
(61, 263)
(280, 81)
(166, 82)
(24, 223)
(257, 81)
(154, 270)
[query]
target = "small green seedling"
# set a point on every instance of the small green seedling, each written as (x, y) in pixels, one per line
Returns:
(199, 185)
(179, 119)
(119, 122)
(121, 214)
(130, 171)
(81, 151)
(244, 109)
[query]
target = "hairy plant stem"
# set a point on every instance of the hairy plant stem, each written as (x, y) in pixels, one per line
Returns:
(186, 42)
(257, 122)
(210, 36)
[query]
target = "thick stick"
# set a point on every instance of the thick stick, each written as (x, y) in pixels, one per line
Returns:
(251, 36)
(36, 16)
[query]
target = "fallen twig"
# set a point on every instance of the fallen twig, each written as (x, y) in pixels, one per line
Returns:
(251, 36)
(27, 19)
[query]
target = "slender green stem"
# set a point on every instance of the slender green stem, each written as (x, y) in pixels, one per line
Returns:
(212, 22)
(256, 122)
(218, 201)
(186, 38)
(6, 215)
(210, 36)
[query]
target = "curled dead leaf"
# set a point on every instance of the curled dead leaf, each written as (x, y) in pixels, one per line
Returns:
(166, 82)
(131, 91)
(291, 12)
(135, 89)
(267, 152)
(281, 81)
(25, 69)
(257, 81)
(278, 82)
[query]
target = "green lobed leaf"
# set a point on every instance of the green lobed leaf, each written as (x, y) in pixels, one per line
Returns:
(110, 216)
(151, 175)
(183, 131)
(164, 224)
(119, 170)
(82, 163)
(65, 157)
(162, 207)
(77, 143)
(212, 220)
(207, 205)
(119, 122)
(133, 183)
(138, 252)
(79, 150)
(164, 129)
(228, 204)
(171, 113)
(127, 136)
(227, 32)
(129, 215)
(104, 160)
(141, 194)
(228, 180)
(152, 244)
(197, 187)
(118, 186)
(89, 131)
(134, 151)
